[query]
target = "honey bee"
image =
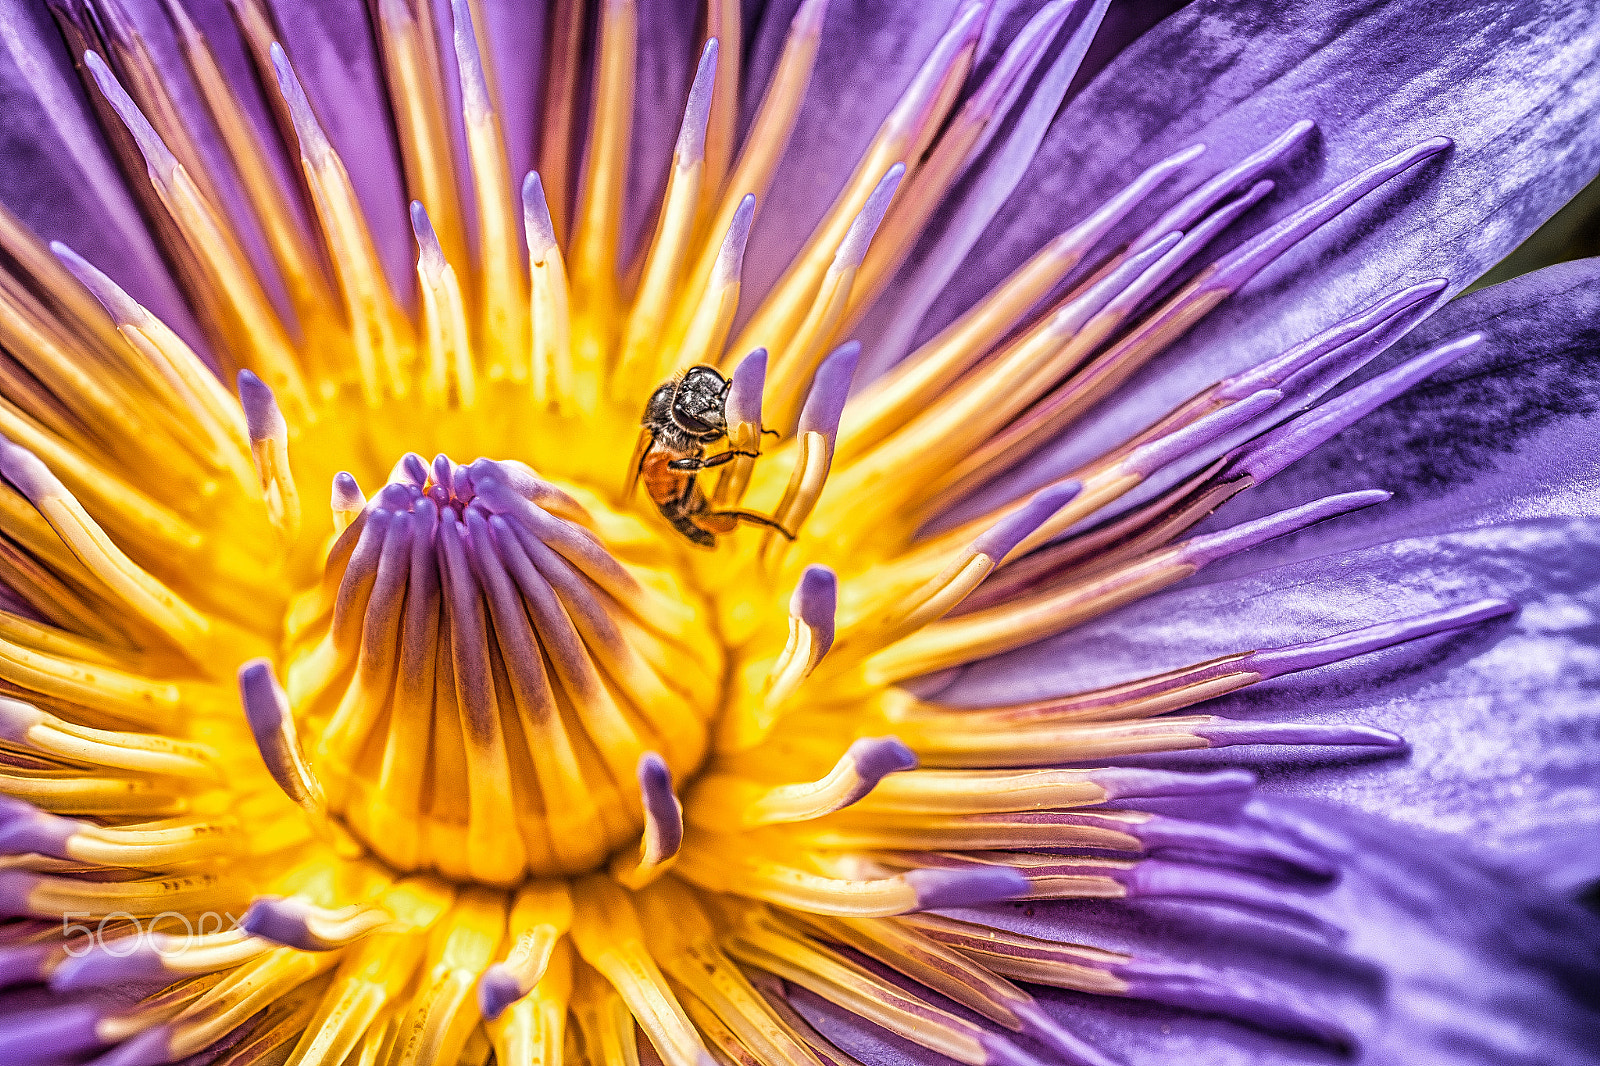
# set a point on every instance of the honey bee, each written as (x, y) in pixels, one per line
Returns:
(683, 417)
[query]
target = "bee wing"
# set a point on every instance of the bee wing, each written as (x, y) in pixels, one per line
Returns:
(640, 450)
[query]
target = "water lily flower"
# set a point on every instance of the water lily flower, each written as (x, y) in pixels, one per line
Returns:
(856, 533)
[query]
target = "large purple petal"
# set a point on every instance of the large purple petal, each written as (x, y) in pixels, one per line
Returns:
(1503, 719)
(1514, 85)
(516, 32)
(56, 174)
(1446, 960)
(1507, 432)
(665, 67)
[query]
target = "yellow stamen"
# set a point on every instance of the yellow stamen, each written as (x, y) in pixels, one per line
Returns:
(257, 329)
(41, 731)
(606, 932)
(299, 261)
(598, 227)
(379, 333)
(763, 147)
(442, 1014)
(503, 326)
(663, 269)
(554, 379)
(533, 1029)
(414, 77)
(451, 380)
(903, 135)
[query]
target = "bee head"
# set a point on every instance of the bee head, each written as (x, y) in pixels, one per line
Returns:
(698, 404)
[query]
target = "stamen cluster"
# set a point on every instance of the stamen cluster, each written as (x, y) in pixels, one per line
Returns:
(491, 677)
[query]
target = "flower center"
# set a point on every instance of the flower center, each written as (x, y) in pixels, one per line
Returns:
(487, 678)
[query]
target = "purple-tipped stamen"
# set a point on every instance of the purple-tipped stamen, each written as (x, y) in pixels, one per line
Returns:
(663, 814)
(922, 92)
(1218, 796)
(158, 158)
(28, 473)
(815, 599)
(475, 102)
(1278, 661)
(1003, 85)
(1272, 452)
(1146, 459)
(536, 218)
(1368, 330)
(293, 922)
(1241, 847)
(118, 304)
(1253, 257)
(1198, 551)
(853, 249)
(430, 255)
(1167, 879)
(266, 708)
(262, 418)
(68, 1030)
(1089, 232)
(1227, 733)
(1193, 241)
(967, 887)
(1199, 203)
(314, 144)
(101, 967)
(346, 494)
(1002, 538)
(25, 829)
(691, 146)
(30, 964)
(498, 989)
(1077, 314)
(745, 388)
(730, 256)
(872, 759)
(829, 389)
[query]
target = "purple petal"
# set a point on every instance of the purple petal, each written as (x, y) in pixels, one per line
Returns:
(55, 173)
(1378, 78)
(1506, 432)
(1502, 718)
(1446, 960)
(667, 54)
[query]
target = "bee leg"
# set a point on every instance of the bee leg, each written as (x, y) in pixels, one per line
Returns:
(752, 518)
(696, 463)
